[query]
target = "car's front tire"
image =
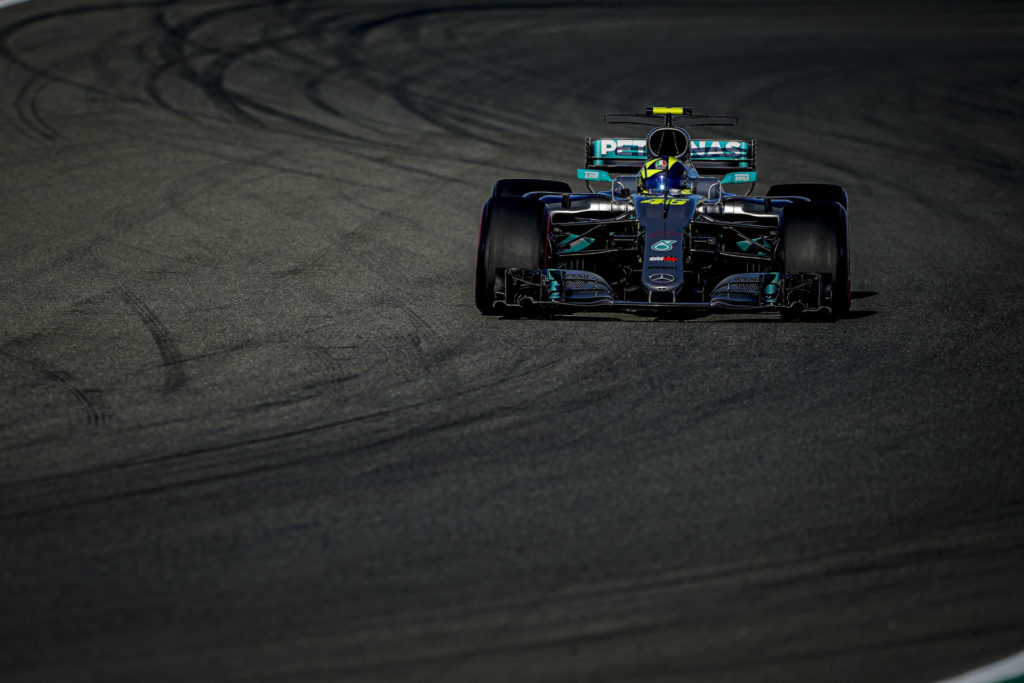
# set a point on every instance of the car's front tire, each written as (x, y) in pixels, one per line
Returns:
(814, 238)
(513, 234)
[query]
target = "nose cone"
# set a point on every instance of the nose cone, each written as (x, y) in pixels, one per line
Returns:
(663, 281)
(664, 221)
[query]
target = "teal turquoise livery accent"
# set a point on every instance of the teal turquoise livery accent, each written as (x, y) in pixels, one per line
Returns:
(758, 242)
(620, 148)
(554, 289)
(588, 174)
(737, 151)
(739, 177)
(746, 244)
(771, 290)
(576, 243)
(719, 150)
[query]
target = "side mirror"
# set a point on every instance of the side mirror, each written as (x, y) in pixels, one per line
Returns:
(623, 187)
(715, 193)
(710, 187)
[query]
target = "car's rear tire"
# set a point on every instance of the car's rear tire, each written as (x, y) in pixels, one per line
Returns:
(814, 238)
(513, 234)
(816, 192)
(517, 187)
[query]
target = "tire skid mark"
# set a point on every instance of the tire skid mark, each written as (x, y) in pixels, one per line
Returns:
(25, 100)
(203, 460)
(71, 256)
(178, 50)
(101, 58)
(456, 117)
(174, 50)
(334, 372)
(346, 63)
(388, 437)
(422, 332)
(156, 94)
(172, 359)
(91, 401)
(26, 104)
(177, 53)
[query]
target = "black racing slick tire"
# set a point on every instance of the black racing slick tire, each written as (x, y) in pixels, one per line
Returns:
(513, 234)
(814, 238)
(816, 192)
(517, 187)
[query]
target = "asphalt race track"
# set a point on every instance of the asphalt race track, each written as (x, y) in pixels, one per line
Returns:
(253, 428)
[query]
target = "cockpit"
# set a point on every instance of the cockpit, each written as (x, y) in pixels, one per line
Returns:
(668, 171)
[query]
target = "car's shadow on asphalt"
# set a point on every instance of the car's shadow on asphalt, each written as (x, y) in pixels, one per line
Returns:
(707, 318)
(567, 319)
(770, 319)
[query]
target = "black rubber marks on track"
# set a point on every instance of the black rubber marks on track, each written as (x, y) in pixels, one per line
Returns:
(174, 375)
(94, 409)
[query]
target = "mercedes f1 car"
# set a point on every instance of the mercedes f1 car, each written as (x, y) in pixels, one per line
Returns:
(664, 237)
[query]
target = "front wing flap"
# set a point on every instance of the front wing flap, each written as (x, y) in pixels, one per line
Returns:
(556, 288)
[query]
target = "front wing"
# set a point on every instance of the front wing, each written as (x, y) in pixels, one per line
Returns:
(550, 288)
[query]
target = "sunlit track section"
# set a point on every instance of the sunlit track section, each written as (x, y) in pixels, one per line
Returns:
(1009, 670)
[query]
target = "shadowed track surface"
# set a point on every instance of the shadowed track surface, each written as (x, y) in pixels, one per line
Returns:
(252, 426)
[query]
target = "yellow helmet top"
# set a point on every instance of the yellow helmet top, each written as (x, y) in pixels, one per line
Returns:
(656, 166)
(663, 173)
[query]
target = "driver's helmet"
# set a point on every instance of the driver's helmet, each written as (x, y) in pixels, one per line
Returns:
(662, 173)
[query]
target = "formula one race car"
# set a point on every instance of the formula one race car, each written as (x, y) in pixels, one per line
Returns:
(664, 237)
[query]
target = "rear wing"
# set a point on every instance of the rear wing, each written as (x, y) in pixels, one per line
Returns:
(733, 160)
